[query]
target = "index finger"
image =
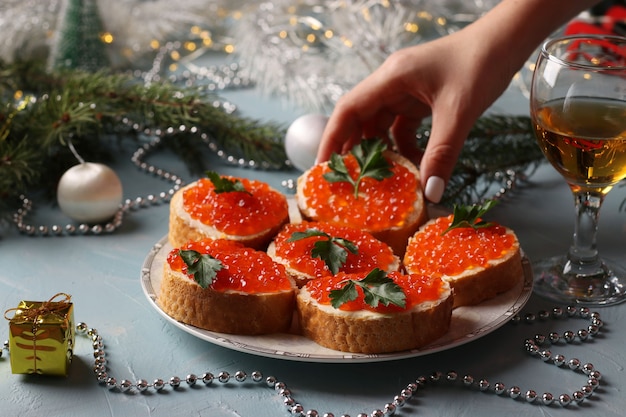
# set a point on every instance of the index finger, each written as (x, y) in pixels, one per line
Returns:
(361, 111)
(340, 133)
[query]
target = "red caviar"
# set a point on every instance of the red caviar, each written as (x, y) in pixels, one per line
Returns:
(236, 213)
(380, 204)
(458, 250)
(371, 253)
(243, 269)
(417, 288)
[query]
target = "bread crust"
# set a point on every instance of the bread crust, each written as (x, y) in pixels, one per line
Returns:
(299, 277)
(396, 237)
(485, 283)
(224, 312)
(184, 229)
(368, 332)
(473, 286)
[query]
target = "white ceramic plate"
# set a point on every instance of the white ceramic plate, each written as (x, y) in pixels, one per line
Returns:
(468, 323)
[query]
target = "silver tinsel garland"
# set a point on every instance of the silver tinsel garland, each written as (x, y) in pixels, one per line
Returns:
(312, 52)
(309, 52)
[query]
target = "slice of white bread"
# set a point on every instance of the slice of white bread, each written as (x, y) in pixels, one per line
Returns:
(302, 266)
(184, 228)
(225, 310)
(429, 252)
(406, 218)
(366, 331)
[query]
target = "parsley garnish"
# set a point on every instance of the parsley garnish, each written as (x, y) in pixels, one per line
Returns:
(225, 185)
(468, 216)
(204, 267)
(333, 251)
(377, 288)
(372, 163)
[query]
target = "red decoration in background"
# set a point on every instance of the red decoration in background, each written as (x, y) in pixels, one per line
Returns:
(612, 21)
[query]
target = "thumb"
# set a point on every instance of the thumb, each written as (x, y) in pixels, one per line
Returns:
(441, 154)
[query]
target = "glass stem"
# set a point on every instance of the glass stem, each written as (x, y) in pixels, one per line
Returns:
(583, 252)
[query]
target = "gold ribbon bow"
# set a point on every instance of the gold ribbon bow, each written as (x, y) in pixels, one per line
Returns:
(47, 307)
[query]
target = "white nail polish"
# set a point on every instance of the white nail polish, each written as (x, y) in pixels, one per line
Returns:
(435, 187)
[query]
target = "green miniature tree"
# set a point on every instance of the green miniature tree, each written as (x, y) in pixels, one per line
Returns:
(79, 44)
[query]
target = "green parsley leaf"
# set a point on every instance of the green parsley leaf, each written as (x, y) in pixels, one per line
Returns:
(225, 185)
(468, 216)
(377, 288)
(372, 163)
(346, 294)
(333, 250)
(204, 267)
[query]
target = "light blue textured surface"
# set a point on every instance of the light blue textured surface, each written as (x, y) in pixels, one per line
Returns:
(102, 274)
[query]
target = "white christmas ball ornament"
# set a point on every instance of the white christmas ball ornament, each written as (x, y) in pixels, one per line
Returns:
(89, 192)
(303, 139)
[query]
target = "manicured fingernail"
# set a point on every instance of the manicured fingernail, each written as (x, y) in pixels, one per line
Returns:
(435, 187)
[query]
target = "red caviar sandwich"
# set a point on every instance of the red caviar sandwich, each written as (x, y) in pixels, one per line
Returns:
(375, 312)
(479, 259)
(223, 207)
(311, 250)
(223, 286)
(370, 188)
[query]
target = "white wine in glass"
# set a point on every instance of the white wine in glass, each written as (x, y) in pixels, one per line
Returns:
(578, 110)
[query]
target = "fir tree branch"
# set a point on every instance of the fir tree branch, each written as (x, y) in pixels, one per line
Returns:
(85, 106)
(497, 146)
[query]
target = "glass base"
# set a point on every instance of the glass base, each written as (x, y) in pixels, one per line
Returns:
(557, 280)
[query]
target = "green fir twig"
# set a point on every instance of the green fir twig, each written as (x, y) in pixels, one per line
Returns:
(498, 148)
(89, 108)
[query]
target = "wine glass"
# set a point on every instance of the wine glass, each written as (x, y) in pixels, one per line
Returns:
(578, 111)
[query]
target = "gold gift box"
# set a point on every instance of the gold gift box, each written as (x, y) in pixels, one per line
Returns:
(41, 336)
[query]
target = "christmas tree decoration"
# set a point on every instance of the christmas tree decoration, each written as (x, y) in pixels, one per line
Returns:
(90, 192)
(41, 336)
(131, 29)
(81, 41)
(303, 138)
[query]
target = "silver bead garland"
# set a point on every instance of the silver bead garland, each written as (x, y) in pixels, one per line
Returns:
(19, 217)
(138, 159)
(535, 346)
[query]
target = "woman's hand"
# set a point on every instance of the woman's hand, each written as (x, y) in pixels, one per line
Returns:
(453, 79)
